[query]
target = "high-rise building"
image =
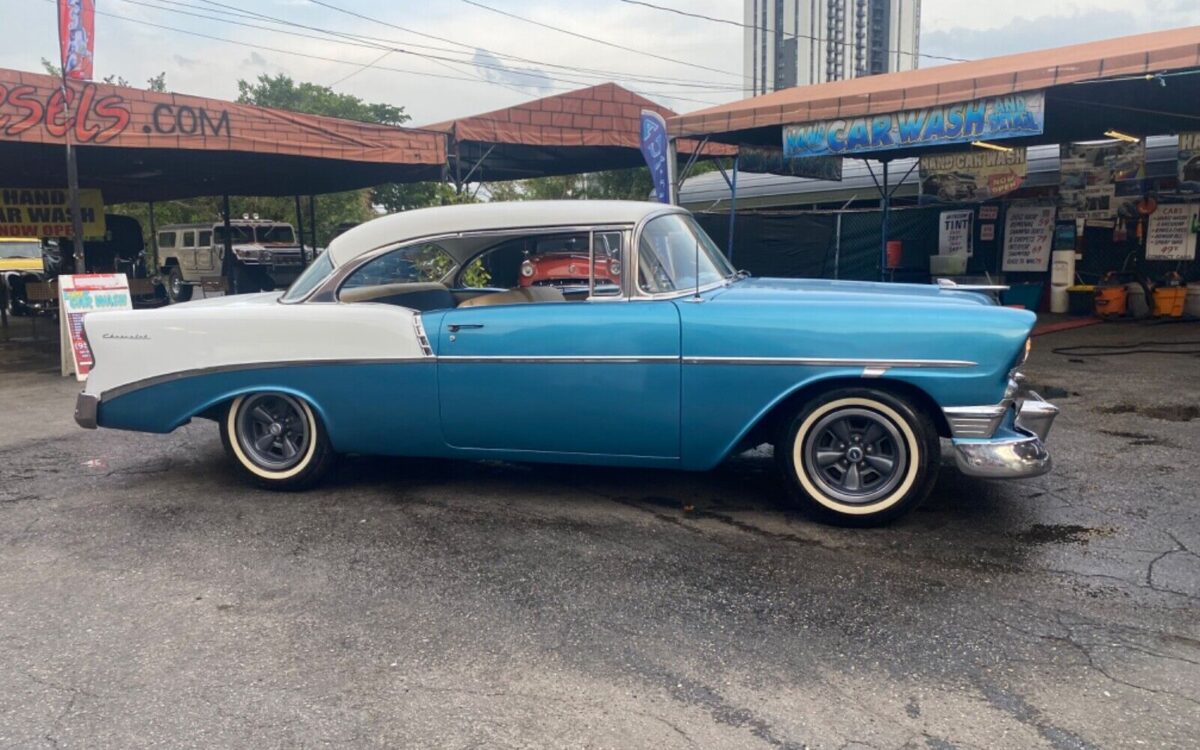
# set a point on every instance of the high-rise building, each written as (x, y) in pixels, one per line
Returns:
(802, 42)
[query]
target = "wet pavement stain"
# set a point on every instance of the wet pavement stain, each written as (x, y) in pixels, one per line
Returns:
(1055, 533)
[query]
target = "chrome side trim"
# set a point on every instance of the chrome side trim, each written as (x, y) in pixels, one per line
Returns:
(422, 339)
(561, 360)
(828, 362)
(137, 385)
(975, 421)
(874, 372)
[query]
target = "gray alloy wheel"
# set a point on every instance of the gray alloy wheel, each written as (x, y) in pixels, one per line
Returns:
(855, 455)
(273, 431)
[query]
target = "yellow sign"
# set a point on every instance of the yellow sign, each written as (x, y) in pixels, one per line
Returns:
(46, 212)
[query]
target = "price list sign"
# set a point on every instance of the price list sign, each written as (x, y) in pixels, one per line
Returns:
(1028, 236)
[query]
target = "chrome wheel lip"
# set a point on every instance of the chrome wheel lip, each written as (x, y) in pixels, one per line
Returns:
(856, 434)
(273, 431)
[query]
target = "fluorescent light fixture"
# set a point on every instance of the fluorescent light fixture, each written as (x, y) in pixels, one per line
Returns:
(1122, 136)
(992, 146)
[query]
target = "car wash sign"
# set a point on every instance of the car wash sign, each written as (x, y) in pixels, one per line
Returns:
(46, 212)
(997, 118)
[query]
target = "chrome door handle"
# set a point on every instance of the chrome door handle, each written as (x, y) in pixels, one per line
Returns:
(456, 327)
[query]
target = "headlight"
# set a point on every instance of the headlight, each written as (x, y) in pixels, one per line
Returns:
(1025, 352)
(266, 256)
(526, 269)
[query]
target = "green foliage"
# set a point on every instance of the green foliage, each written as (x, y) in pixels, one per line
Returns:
(281, 92)
(157, 83)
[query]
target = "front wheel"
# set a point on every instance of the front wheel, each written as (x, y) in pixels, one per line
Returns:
(858, 457)
(177, 289)
(276, 440)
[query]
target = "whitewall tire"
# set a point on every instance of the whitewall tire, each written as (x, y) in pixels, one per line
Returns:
(276, 440)
(858, 456)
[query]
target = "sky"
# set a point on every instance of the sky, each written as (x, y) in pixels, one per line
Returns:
(456, 58)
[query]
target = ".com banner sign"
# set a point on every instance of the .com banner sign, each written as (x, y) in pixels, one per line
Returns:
(1013, 116)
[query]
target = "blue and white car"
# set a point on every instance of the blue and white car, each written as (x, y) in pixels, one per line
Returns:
(412, 336)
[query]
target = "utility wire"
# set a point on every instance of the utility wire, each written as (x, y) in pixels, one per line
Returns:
(574, 69)
(597, 40)
(728, 22)
(352, 40)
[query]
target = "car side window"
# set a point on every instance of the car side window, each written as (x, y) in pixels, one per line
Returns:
(189, 239)
(205, 238)
(412, 264)
(557, 261)
(166, 239)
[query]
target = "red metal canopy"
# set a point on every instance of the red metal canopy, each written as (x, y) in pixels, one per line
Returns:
(759, 119)
(587, 130)
(145, 145)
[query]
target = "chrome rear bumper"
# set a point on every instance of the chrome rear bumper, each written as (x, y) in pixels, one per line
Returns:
(1017, 450)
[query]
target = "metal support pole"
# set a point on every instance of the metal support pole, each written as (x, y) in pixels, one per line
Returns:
(300, 228)
(312, 222)
(732, 207)
(672, 170)
(227, 258)
(73, 181)
(837, 247)
(152, 263)
(885, 205)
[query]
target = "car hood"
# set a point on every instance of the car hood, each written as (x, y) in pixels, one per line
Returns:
(862, 292)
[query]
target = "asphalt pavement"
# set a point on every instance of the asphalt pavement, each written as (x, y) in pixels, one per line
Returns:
(149, 598)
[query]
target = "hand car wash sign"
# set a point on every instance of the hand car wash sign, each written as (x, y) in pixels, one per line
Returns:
(1012, 116)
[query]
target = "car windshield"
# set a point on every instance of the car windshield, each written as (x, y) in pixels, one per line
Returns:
(20, 250)
(308, 281)
(675, 253)
(241, 235)
(281, 234)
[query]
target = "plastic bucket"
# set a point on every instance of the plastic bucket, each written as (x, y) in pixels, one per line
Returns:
(1110, 301)
(1169, 301)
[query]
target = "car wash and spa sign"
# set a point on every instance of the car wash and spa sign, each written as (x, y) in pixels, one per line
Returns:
(997, 118)
(78, 296)
(976, 175)
(34, 213)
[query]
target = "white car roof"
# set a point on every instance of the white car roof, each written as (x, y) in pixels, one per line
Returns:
(474, 217)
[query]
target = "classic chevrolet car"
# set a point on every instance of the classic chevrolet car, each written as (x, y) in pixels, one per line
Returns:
(383, 347)
(564, 265)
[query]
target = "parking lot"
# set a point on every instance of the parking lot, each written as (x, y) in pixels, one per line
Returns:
(148, 598)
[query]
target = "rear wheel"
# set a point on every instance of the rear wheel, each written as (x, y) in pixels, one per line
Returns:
(858, 457)
(276, 440)
(177, 289)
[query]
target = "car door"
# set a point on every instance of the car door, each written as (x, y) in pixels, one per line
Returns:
(204, 251)
(597, 377)
(187, 251)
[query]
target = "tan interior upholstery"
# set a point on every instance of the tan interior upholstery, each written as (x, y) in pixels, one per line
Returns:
(368, 293)
(516, 297)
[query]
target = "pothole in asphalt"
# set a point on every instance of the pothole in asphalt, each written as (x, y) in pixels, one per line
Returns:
(1057, 533)
(1168, 412)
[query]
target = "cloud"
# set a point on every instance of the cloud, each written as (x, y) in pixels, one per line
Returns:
(1028, 33)
(256, 60)
(496, 71)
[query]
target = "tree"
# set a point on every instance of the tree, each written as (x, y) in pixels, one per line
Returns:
(281, 92)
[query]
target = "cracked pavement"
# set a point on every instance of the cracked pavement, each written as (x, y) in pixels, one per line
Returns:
(150, 599)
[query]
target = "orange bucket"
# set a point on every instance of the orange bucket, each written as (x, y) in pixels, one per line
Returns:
(1111, 298)
(1169, 301)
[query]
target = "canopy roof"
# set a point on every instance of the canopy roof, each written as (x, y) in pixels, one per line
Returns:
(1089, 88)
(588, 130)
(144, 145)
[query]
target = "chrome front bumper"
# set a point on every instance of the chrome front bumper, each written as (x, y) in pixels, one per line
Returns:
(1016, 449)
(86, 406)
